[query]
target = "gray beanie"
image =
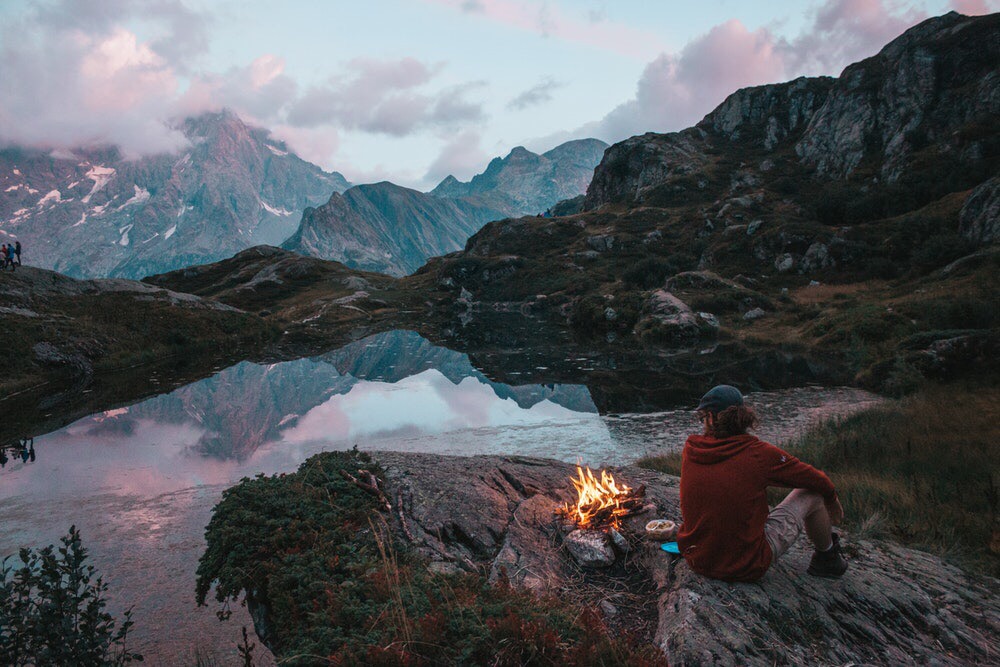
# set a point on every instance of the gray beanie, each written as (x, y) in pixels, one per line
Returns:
(719, 398)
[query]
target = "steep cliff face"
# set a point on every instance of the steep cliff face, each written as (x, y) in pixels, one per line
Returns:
(387, 228)
(938, 79)
(924, 104)
(94, 212)
(525, 183)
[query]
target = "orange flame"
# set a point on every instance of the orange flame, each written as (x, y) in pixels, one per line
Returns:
(594, 496)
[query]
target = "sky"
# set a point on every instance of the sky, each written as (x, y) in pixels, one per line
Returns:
(413, 90)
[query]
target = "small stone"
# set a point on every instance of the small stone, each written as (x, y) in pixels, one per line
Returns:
(754, 314)
(610, 314)
(753, 227)
(784, 263)
(709, 319)
(813, 283)
(619, 540)
(608, 608)
(590, 548)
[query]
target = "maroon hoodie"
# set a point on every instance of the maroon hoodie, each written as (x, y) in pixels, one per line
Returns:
(724, 502)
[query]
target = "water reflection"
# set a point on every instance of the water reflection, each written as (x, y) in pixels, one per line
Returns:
(140, 480)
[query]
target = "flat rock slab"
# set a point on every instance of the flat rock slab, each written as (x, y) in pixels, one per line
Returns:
(895, 606)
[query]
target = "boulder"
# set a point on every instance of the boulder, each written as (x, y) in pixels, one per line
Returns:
(590, 548)
(667, 318)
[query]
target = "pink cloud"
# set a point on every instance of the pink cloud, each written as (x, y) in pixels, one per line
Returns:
(593, 29)
(461, 157)
(975, 7)
(676, 90)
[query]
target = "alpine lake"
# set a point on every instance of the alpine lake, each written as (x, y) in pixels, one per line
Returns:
(138, 463)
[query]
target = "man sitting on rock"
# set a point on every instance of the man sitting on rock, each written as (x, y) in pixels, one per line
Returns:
(727, 531)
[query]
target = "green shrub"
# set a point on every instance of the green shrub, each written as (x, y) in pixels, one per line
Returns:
(52, 610)
(648, 273)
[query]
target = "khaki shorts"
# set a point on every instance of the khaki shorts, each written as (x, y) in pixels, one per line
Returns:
(786, 521)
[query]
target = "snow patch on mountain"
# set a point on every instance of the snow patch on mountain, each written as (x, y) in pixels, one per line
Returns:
(141, 195)
(100, 176)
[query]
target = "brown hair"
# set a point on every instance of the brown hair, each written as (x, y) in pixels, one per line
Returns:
(734, 420)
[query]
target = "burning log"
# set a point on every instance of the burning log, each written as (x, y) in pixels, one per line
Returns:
(601, 502)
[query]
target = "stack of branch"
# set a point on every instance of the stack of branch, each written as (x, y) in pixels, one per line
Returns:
(632, 502)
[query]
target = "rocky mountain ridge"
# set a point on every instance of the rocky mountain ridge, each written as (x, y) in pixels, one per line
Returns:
(526, 183)
(94, 212)
(391, 229)
(387, 228)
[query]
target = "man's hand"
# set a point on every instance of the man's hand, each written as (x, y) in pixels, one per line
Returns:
(835, 510)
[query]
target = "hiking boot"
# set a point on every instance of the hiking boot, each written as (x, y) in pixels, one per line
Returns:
(830, 564)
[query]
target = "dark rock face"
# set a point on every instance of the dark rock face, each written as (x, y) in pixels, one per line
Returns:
(525, 183)
(980, 216)
(387, 228)
(95, 213)
(630, 168)
(496, 515)
(922, 87)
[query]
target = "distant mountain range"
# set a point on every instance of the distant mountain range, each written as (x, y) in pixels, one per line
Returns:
(390, 229)
(524, 183)
(387, 228)
(95, 213)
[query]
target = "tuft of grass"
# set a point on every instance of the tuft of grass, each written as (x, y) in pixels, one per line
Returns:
(923, 470)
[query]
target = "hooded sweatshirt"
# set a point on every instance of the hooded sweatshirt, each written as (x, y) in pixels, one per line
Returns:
(724, 502)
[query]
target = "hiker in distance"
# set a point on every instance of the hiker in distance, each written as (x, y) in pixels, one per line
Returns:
(727, 530)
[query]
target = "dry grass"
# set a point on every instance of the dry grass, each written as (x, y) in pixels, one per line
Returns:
(824, 294)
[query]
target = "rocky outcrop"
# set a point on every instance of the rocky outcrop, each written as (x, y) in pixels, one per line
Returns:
(980, 216)
(387, 228)
(667, 319)
(894, 606)
(936, 85)
(632, 167)
(525, 183)
(921, 88)
(98, 213)
(767, 115)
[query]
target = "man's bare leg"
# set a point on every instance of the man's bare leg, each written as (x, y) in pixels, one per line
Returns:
(818, 527)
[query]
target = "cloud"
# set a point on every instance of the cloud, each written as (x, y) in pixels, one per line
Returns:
(594, 29)
(676, 90)
(975, 7)
(461, 157)
(260, 90)
(74, 73)
(540, 93)
(80, 88)
(385, 97)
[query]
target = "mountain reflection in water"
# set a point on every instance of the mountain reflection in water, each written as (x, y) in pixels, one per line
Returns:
(140, 481)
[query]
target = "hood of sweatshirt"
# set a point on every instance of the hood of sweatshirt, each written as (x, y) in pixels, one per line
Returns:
(706, 451)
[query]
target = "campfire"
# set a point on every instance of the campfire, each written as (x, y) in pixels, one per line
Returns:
(601, 502)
